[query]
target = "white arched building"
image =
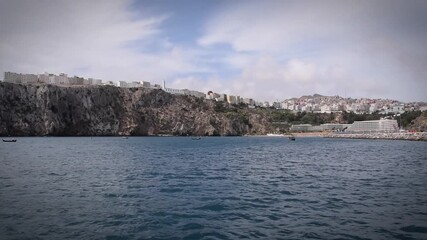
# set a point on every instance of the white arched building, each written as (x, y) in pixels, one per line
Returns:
(383, 125)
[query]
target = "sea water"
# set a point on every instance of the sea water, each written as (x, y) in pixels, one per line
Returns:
(213, 188)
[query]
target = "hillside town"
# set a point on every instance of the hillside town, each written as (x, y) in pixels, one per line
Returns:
(315, 103)
(329, 104)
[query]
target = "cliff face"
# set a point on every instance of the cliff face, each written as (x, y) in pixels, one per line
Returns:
(106, 110)
(420, 123)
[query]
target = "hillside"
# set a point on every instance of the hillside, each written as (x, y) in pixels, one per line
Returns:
(39, 110)
(419, 123)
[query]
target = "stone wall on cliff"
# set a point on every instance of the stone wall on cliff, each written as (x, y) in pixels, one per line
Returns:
(39, 110)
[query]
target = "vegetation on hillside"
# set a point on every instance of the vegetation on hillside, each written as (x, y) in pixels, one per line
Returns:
(290, 118)
(283, 119)
(407, 118)
(302, 117)
(351, 117)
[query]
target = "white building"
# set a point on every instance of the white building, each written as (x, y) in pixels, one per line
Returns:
(63, 79)
(383, 125)
(193, 93)
(174, 91)
(325, 109)
(222, 98)
(123, 84)
(133, 84)
(109, 83)
(136, 84)
(277, 105)
(231, 99)
(306, 108)
(92, 81)
(44, 77)
(301, 127)
(334, 126)
(316, 108)
(146, 84)
(20, 78)
(11, 77)
(284, 105)
(398, 109)
(249, 101)
(97, 82)
(52, 79)
(29, 78)
(373, 108)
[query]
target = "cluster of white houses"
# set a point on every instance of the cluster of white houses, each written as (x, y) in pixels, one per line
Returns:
(234, 99)
(382, 125)
(65, 80)
(315, 103)
(329, 104)
(46, 78)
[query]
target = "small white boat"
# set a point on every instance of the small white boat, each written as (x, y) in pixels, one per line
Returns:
(9, 140)
(125, 137)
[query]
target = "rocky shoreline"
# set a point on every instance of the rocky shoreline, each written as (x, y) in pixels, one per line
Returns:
(415, 136)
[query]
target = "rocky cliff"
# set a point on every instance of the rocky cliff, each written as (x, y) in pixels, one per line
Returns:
(38, 110)
(419, 123)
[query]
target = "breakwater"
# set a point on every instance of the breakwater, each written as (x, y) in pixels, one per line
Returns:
(416, 136)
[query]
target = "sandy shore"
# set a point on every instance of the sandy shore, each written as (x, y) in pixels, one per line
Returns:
(311, 134)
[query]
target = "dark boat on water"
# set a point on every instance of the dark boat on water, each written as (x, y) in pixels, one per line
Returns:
(292, 138)
(9, 140)
(196, 138)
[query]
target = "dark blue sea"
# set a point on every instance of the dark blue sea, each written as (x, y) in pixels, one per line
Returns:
(213, 188)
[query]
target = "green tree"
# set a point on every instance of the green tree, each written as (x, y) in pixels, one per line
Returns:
(407, 117)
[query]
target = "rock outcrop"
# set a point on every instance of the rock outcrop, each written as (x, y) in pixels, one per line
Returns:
(420, 123)
(38, 110)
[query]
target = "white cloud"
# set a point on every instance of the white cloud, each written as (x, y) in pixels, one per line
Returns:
(273, 49)
(200, 84)
(361, 49)
(102, 39)
(277, 25)
(268, 79)
(299, 71)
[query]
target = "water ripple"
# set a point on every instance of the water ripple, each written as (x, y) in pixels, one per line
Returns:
(216, 188)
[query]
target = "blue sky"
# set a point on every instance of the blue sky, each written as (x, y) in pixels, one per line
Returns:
(267, 50)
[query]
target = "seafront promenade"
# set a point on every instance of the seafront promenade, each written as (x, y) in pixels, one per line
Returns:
(415, 136)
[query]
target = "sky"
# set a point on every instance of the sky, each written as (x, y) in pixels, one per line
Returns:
(266, 50)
